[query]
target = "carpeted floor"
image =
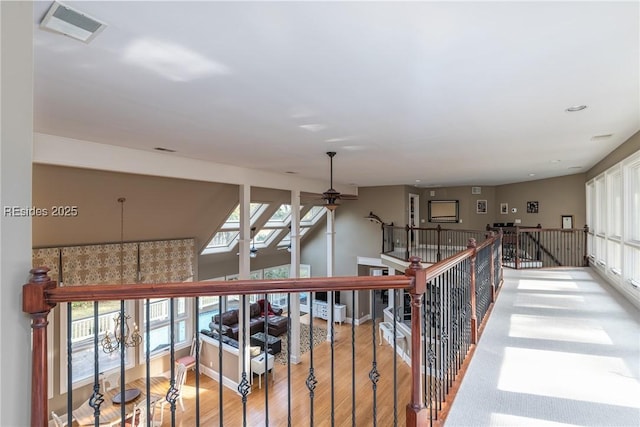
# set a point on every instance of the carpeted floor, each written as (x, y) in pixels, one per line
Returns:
(561, 348)
(319, 336)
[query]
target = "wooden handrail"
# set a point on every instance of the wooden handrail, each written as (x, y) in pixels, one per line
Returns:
(136, 291)
(41, 294)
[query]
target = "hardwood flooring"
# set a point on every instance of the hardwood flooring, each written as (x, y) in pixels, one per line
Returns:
(272, 399)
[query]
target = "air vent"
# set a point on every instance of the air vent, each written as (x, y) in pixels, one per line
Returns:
(65, 20)
(476, 190)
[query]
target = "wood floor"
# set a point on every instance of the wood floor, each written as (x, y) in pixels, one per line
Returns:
(277, 390)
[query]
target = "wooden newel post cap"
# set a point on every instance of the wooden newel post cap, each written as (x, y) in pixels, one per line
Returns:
(33, 293)
(39, 275)
(472, 243)
(415, 265)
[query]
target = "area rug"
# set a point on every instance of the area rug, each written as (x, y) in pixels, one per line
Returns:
(319, 336)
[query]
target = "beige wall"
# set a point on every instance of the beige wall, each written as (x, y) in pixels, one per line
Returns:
(564, 195)
(629, 147)
(156, 208)
(470, 220)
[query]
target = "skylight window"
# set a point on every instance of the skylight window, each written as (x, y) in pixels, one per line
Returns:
(255, 210)
(312, 216)
(281, 217)
(227, 238)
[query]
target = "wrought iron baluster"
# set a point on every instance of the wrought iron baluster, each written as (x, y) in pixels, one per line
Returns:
(311, 381)
(172, 393)
(374, 375)
(289, 355)
(220, 367)
(147, 358)
(97, 398)
(196, 343)
(353, 361)
(244, 386)
(123, 413)
(331, 343)
(265, 312)
(395, 363)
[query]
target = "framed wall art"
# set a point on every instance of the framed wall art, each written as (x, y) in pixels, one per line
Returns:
(567, 222)
(504, 208)
(481, 206)
(532, 207)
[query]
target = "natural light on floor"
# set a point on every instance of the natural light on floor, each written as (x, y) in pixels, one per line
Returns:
(552, 328)
(565, 375)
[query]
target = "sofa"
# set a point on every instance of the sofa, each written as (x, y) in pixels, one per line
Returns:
(229, 326)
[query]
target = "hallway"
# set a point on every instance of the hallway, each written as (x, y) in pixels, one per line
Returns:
(561, 348)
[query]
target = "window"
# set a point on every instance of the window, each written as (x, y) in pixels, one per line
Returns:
(82, 340)
(226, 239)
(160, 324)
(613, 203)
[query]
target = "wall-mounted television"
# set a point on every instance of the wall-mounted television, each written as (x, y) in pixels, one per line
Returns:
(444, 211)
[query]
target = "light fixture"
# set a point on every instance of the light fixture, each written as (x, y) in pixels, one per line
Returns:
(122, 334)
(129, 339)
(253, 252)
(65, 20)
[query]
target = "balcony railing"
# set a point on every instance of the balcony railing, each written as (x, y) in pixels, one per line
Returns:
(431, 245)
(537, 247)
(450, 301)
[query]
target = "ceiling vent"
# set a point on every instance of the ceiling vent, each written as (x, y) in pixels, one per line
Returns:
(71, 22)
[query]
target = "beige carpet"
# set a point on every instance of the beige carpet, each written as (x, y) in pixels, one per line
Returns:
(561, 348)
(319, 336)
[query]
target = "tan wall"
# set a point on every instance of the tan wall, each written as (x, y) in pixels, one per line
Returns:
(629, 147)
(155, 207)
(555, 196)
(470, 219)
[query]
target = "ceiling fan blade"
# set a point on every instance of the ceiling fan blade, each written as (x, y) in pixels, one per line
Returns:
(348, 197)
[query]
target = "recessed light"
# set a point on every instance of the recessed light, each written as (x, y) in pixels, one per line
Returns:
(575, 108)
(575, 167)
(532, 174)
(166, 150)
(291, 172)
(555, 161)
(603, 136)
(417, 180)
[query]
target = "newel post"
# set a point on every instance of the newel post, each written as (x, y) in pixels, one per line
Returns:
(472, 274)
(34, 303)
(417, 414)
(585, 256)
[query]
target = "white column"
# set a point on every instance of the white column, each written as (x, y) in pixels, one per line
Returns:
(331, 246)
(244, 268)
(294, 314)
(16, 130)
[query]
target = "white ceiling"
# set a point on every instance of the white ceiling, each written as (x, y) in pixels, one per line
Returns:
(447, 93)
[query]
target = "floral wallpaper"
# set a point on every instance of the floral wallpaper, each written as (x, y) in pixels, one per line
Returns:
(100, 264)
(167, 261)
(143, 262)
(49, 257)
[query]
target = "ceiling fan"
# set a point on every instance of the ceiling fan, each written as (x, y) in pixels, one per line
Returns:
(331, 197)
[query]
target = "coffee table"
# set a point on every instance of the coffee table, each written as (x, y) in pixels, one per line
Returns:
(273, 343)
